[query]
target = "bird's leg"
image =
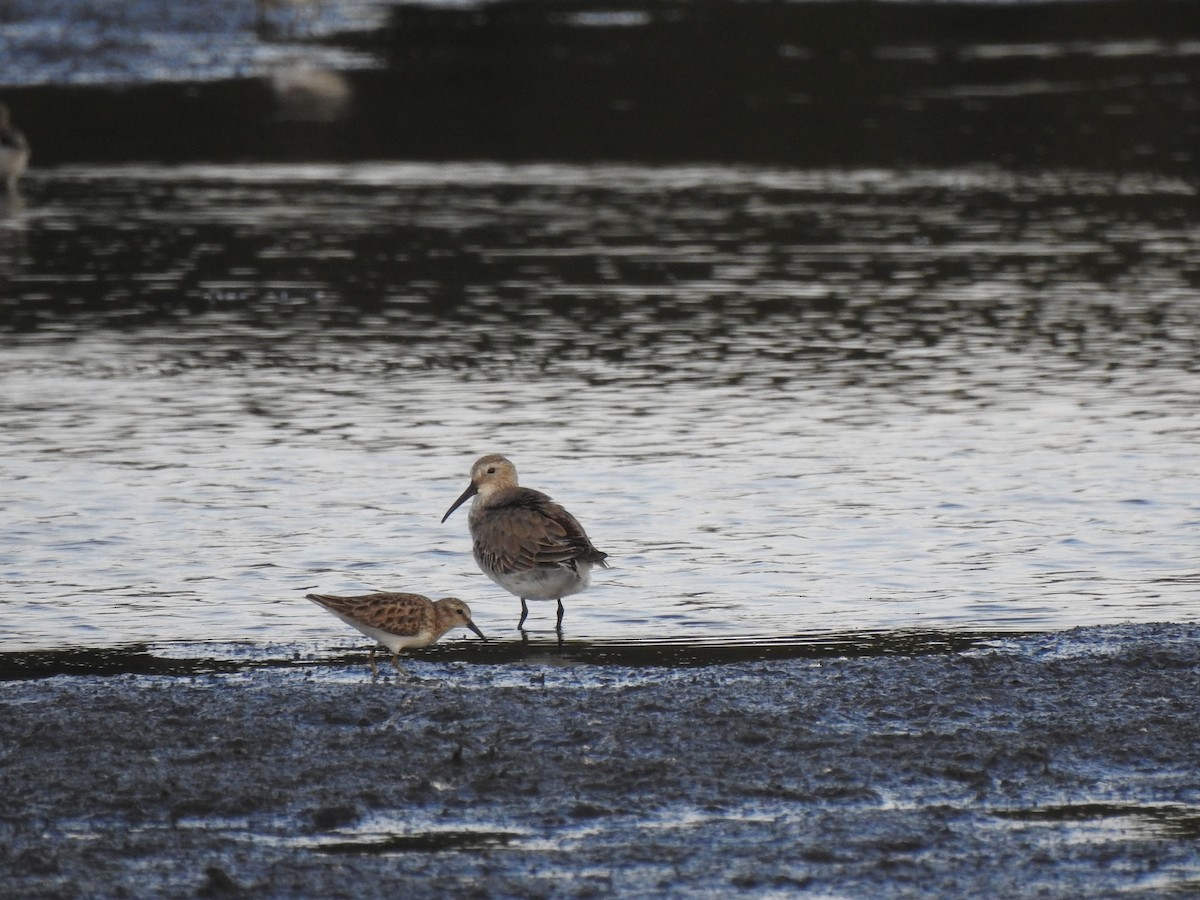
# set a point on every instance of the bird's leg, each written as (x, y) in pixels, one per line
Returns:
(524, 613)
(560, 615)
(371, 660)
(399, 668)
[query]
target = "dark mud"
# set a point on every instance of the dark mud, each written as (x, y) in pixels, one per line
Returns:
(1062, 766)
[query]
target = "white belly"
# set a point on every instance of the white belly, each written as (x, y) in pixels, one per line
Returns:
(546, 583)
(394, 642)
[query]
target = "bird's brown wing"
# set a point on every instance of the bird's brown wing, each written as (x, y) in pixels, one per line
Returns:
(524, 529)
(402, 614)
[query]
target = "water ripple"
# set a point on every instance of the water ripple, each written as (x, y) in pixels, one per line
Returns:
(788, 403)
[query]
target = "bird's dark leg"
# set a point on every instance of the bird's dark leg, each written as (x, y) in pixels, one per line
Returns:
(524, 613)
(399, 669)
(560, 615)
(371, 660)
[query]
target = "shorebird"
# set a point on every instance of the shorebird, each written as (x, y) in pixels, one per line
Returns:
(523, 540)
(14, 151)
(398, 621)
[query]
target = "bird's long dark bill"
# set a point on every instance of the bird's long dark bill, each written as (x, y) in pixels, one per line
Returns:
(470, 492)
(475, 628)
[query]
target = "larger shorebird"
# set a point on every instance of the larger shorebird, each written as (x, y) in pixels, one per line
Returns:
(523, 540)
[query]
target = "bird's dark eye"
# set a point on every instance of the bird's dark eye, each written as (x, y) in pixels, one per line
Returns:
(491, 470)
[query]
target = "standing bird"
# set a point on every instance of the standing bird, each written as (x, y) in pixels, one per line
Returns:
(398, 621)
(523, 540)
(14, 151)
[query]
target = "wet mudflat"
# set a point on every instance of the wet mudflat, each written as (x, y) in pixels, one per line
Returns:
(1056, 766)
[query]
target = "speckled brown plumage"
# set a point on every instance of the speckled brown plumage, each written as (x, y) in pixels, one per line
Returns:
(398, 621)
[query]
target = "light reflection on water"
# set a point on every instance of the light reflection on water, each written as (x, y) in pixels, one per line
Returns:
(786, 403)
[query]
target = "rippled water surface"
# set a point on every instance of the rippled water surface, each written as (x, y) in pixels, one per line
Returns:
(786, 402)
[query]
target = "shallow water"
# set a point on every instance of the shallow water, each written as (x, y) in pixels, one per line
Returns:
(788, 403)
(893, 346)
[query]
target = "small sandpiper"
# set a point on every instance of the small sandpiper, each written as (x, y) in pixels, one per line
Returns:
(14, 151)
(398, 621)
(523, 540)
